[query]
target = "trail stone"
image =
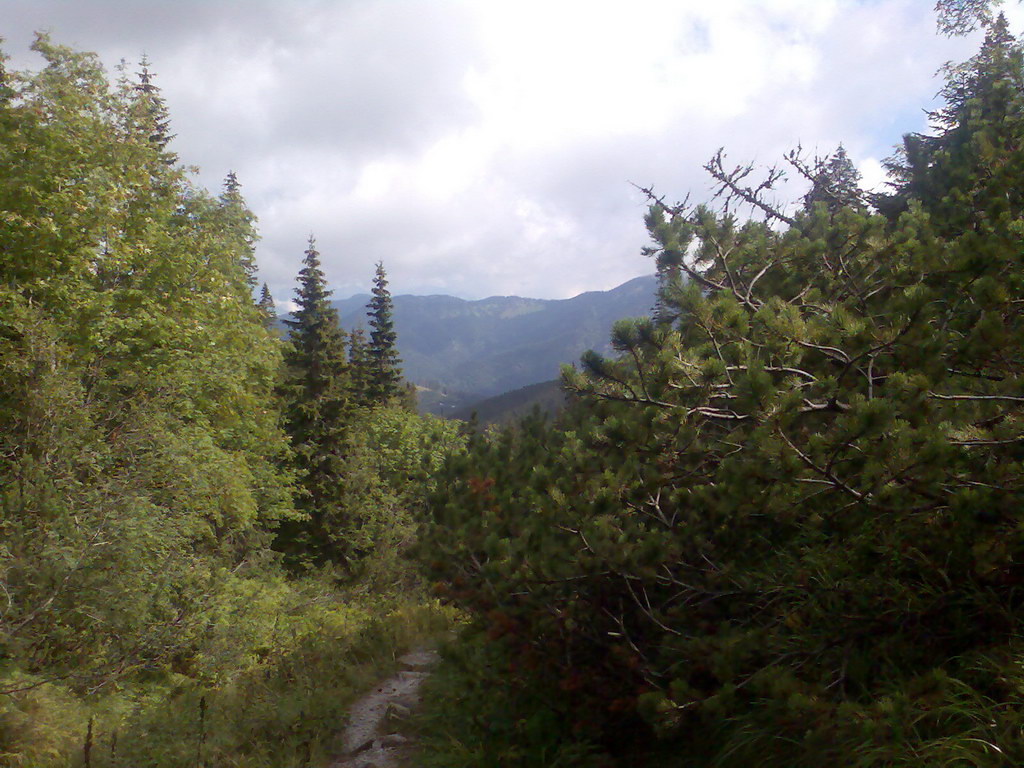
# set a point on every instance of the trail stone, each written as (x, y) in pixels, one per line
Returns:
(398, 711)
(419, 659)
(365, 742)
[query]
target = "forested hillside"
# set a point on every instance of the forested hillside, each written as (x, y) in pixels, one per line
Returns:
(781, 526)
(547, 397)
(490, 346)
(778, 523)
(201, 526)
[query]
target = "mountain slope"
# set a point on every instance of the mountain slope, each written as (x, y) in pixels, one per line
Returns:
(501, 343)
(505, 408)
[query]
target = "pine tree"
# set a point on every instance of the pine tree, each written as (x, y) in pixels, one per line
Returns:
(384, 377)
(317, 414)
(834, 419)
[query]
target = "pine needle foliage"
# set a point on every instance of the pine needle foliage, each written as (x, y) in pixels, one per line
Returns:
(781, 526)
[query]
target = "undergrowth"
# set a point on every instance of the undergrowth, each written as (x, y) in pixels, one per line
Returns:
(480, 711)
(469, 721)
(270, 686)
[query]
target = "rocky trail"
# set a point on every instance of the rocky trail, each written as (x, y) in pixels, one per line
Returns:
(371, 738)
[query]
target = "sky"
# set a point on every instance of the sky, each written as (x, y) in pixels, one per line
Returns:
(494, 147)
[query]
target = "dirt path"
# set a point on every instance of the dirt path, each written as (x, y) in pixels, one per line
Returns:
(370, 739)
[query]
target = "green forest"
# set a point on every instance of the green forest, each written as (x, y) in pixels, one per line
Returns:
(780, 526)
(203, 524)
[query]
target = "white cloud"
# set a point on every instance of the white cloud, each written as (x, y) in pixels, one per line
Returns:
(486, 147)
(872, 175)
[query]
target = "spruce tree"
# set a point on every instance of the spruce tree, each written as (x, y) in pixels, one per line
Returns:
(358, 359)
(240, 221)
(317, 413)
(268, 314)
(971, 159)
(959, 17)
(836, 184)
(151, 113)
(384, 377)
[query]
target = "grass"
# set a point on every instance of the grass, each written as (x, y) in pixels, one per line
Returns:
(468, 720)
(270, 687)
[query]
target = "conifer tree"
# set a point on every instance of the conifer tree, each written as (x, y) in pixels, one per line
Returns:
(240, 221)
(799, 501)
(5, 89)
(384, 377)
(358, 359)
(958, 17)
(151, 113)
(268, 314)
(317, 413)
(836, 184)
(972, 155)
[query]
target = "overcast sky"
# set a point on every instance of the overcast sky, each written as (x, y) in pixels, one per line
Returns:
(487, 147)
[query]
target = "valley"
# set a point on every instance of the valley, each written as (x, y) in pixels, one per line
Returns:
(461, 352)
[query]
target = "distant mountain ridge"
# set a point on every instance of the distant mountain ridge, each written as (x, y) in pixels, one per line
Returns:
(547, 396)
(483, 348)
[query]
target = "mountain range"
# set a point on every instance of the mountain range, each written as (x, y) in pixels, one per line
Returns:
(459, 351)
